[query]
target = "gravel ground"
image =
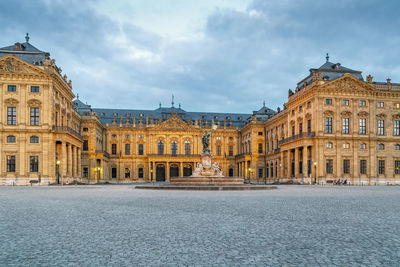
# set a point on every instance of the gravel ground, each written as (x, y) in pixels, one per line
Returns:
(121, 226)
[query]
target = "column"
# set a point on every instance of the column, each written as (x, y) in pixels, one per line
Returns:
(296, 162)
(63, 167)
(281, 163)
(289, 164)
(69, 164)
(180, 169)
(150, 171)
(305, 160)
(245, 169)
(167, 172)
(74, 161)
(79, 167)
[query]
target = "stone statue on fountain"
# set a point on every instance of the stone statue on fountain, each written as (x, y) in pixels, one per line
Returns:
(205, 168)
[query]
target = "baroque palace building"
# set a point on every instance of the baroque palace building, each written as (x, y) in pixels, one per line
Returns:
(335, 125)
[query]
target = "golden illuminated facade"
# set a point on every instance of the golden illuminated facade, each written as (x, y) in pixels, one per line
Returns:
(334, 126)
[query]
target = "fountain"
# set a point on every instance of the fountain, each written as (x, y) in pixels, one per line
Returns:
(206, 172)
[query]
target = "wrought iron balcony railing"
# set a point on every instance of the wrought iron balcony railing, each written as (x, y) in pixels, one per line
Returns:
(297, 136)
(66, 129)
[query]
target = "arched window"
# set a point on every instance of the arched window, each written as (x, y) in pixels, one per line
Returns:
(160, 147)
(174, 148)
(187, 148)
(34, 139)
(11, 139)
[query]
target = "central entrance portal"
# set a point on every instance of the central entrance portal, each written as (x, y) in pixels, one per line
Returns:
(160, 173)
(187, 170)
(174, 170)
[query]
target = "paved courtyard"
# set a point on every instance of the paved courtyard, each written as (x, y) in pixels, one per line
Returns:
(120, 226)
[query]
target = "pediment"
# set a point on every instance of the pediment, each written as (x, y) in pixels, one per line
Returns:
(348, 82)
(174, 123)
(14, 65)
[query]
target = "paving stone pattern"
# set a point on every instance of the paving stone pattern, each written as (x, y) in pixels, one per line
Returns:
(121, 226)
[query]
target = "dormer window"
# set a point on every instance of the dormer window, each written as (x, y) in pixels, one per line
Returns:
(141, 115)
(204, 117)
(215, 117)
(115, 114)
(240, 118)
(228, 118)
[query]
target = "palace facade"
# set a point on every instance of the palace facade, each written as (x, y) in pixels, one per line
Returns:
(335, 125)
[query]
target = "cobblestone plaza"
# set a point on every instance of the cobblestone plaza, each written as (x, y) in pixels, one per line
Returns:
(120, 226)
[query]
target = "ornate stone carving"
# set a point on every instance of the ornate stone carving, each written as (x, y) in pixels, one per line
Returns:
(11, 101)
(348, 82)
(12, 66)
(369, 79)
(345, 113)
(34, 103)
(329, 113)
(396, 116)
(362, 114)
(174, 123)
(381, 115)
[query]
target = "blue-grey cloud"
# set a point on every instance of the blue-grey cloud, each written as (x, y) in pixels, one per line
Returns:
(242, 58)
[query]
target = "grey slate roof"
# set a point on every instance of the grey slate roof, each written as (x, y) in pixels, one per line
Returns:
(28, 53)
(110, 115)
(330, 71)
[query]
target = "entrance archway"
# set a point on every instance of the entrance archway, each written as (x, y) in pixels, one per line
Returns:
(160, 173)
(174, 170)
(187, 170)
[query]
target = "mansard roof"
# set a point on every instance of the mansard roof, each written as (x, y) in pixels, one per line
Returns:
(26, 52)
(107, 115)
(329, 71)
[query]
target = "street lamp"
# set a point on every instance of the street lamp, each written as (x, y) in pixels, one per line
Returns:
(58, 171)
(315, 168)
(98, 174)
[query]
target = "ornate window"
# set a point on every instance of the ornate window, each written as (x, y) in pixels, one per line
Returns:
(363, 146)
(34, 139)
(35, 116)
(140, 148)
(328, 101)
(329, 145)
(363, 126)
(328, 125)
(230, 151)
(12, 116)
(34, 163)
(260, 148)
(127, 149)
(363, 103)
(381, 127)
(329, 166)
(11, 139)
(396, 127)
(363, 166)
(160, 148)
(346, 166)
(187, 148)
(174, 148)
(114, 149)
(380, 104)
(381, 147)
(345, 126)
(35, 89)
(345, 102)
(11, 163)
(381, 166)
(346, 145)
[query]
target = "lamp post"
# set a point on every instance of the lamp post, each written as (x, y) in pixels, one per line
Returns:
(58, 171)
(98, 174)
(315, 170)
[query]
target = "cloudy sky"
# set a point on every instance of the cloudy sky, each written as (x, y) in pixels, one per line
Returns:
(213, 55)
